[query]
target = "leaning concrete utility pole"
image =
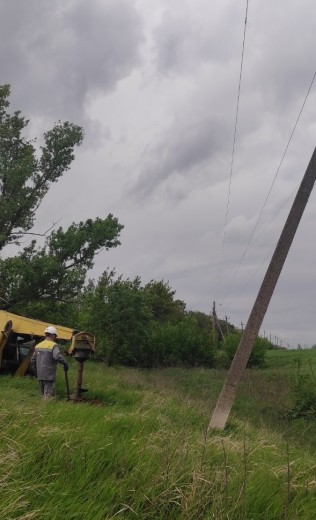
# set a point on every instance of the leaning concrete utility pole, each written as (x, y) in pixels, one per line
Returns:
(239, 363)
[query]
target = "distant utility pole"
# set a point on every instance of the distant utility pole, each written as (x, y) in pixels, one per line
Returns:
(216, 322)
(239, 363)
(226, 319)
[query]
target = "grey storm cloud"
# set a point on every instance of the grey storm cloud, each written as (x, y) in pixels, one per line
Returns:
(183, 41)
(280, 72)
(183, 148)
(66, 51)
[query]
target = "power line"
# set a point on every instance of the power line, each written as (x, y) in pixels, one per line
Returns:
(270, 189)
(234, 143)
(250, 278)
(249, 244)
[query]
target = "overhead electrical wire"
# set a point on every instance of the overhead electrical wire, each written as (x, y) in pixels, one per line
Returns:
(234, 144)
(227, 305)
(250, 243)
(217, 284)
(264, 261)
(270, 189)
(250, 278)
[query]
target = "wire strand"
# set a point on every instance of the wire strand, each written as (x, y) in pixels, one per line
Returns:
(233, 150)
(271, 187)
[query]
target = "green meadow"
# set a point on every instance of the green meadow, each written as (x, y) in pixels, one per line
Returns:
(138, 448)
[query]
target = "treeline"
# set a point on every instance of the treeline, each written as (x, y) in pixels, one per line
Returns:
(146, 326)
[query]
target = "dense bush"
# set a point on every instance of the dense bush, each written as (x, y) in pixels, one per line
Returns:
(229, 345)
(144, 326)
(302, 384)
(182, 343)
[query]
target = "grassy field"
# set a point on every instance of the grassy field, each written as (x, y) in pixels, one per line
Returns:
(140, 450)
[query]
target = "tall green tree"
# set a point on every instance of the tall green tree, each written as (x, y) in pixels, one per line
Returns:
(53, 273)
(162, 303)
(142, 326)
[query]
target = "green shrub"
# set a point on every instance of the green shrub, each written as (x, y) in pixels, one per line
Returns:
(303, 392)
(229, 346)
(183, 344)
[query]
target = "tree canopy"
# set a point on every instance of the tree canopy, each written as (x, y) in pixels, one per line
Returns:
(55, 271)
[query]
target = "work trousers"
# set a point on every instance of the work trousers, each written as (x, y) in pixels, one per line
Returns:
(47, 388)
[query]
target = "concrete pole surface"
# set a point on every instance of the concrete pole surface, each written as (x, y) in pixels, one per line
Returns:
(239, 363)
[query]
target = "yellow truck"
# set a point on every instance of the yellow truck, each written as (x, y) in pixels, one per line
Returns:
(19, 335)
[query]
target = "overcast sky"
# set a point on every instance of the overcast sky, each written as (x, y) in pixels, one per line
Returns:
(154, 83)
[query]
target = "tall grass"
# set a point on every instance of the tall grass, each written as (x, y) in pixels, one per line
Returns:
(141, 450)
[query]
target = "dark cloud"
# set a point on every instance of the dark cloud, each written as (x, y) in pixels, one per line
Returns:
(189, 35)
(184, 148)
(279, 55)
(58, 54)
